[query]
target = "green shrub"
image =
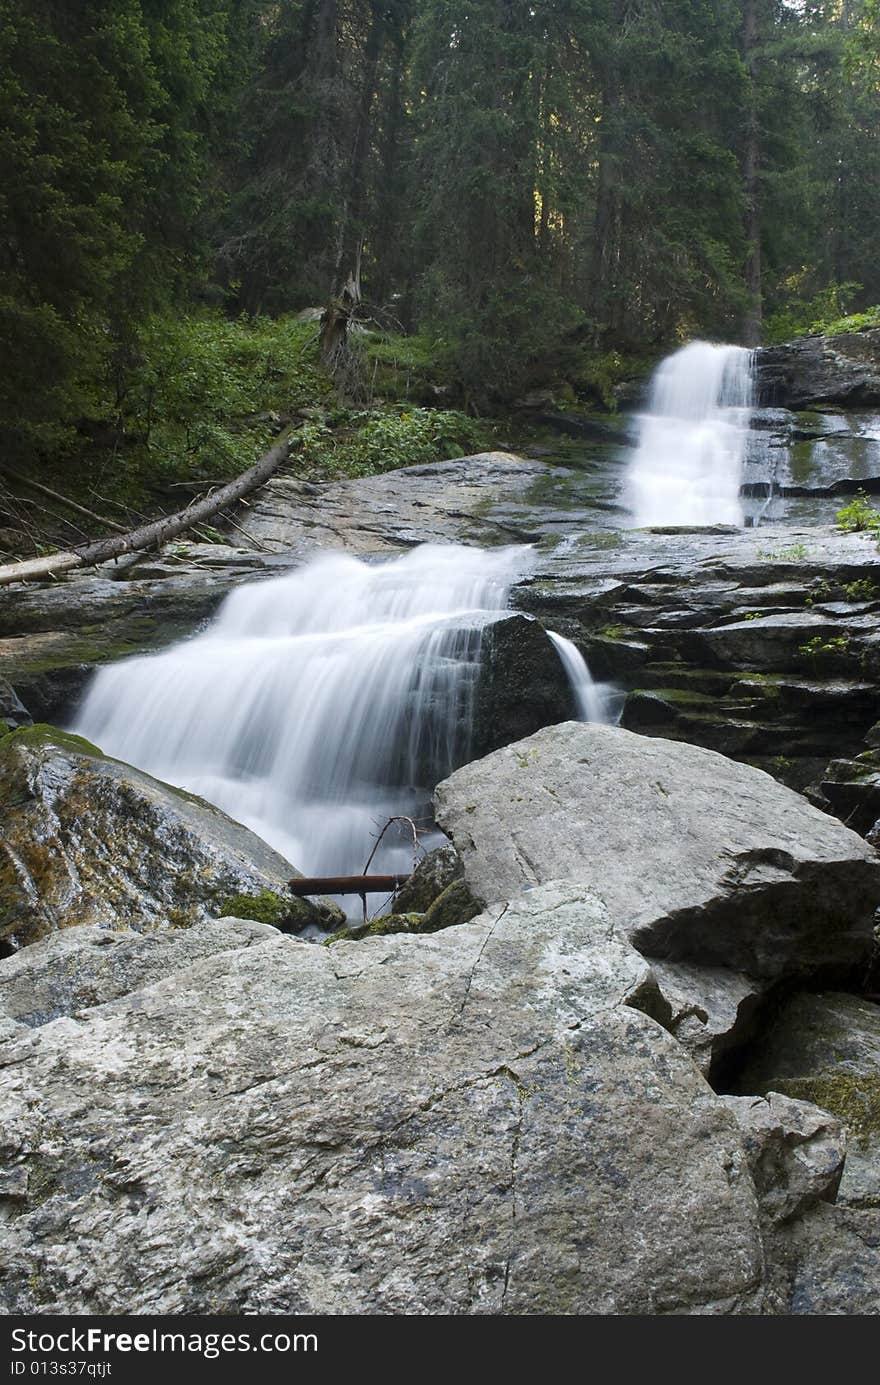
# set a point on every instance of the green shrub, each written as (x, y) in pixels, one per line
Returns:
(859, 515)
(385, 440)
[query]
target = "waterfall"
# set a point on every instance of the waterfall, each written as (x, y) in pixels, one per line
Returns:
(688, 463)
(592, 699)
(318, 704)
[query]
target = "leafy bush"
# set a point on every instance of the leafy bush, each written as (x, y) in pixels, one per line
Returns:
(859, 515)
(822, 648)
(199, 397)
(382, 441)
(825, 313)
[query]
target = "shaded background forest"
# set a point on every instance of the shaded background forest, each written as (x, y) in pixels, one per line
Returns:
(527, 193)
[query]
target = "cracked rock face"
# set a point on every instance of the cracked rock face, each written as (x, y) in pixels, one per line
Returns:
(697, 857)
(484, 1120)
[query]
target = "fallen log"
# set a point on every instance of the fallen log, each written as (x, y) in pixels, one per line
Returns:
(346, 884)
(62, 499)
(153, 534)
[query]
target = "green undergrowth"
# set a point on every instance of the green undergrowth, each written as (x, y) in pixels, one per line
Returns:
(826, 313)
(196, 399)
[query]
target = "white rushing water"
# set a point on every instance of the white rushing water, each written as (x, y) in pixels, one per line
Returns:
(689, 460)
(594, 701)
(319, 704)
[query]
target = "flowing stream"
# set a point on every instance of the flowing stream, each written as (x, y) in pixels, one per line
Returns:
(689, 461)
(318, 704)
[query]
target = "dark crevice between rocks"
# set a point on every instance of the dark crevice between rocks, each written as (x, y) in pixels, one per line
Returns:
(748, 1044)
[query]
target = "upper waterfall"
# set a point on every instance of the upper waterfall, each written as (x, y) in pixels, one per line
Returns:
(688, 464)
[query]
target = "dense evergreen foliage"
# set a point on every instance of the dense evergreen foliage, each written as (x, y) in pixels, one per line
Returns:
(518, 184)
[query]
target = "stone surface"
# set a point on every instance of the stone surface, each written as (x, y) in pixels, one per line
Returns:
(713, 1009)
(821, 370)
(479, 1121)
(89, 840)
(12, 710)
(759, 644)
(82, 967)
(439, 502)
(834, 1263)
(825, 1048)
(851, 790)
(522, 685)
(795, 1152)
(697, 857)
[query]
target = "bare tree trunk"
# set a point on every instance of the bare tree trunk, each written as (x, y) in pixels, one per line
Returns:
(751, 161)
(352, 221)
(606, 226)
(150, 535)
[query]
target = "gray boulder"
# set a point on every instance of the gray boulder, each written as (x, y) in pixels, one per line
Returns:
(484, 1120)
(89, 840)
(697, 858)
(826, 1049)
(795, 1152)
(522, 684)
(82, 967)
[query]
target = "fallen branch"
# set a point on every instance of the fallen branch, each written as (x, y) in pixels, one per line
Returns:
(62, 499)
(155, 533)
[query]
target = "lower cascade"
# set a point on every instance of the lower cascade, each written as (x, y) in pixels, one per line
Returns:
(321, 703)
(688, 465)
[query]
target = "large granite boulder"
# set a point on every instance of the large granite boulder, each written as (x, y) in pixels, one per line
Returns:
(89, 840)
(484, 1120)
(79, 968)
(697, 857)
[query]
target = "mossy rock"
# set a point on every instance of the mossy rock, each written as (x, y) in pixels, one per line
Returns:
(91, 840)
(285, 912)
(853, 1097)
(430, 878)
(454, 906)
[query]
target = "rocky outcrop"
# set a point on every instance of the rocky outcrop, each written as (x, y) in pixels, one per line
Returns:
(842, 370)
(826, 1049)
(761, 644)
(522, 685)
(13, 712)
(487, 1120)
(697, 858)
(441, 502)
(53, 634)
(88, 840)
